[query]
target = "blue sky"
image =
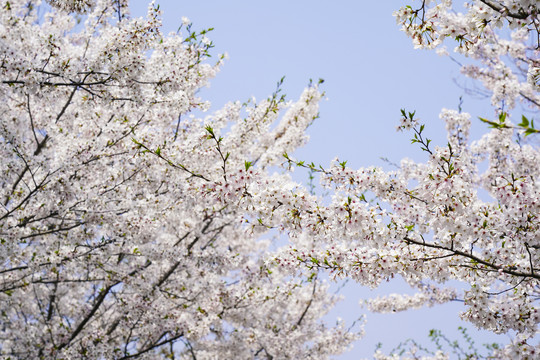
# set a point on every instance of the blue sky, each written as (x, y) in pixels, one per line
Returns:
(371, 71)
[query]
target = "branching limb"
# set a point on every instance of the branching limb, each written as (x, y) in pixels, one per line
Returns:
(168, 161)
(474, 258)
(497, 6)
(308, 305)
(154, 346)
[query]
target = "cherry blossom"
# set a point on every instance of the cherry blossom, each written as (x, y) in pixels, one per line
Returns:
(131, 226)
(451, 218)
(126, 227)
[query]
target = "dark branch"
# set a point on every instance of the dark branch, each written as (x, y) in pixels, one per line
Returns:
(503, 9)
(474, 258)
(151, 347)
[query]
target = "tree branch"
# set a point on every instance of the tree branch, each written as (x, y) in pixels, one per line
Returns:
(503, 9)
(474, 258)
(151, 347)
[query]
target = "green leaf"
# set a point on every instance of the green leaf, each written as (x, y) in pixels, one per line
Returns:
(524, 122)
(502, 117)
(491, 123)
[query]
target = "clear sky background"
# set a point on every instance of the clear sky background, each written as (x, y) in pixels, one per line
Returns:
(371, 71)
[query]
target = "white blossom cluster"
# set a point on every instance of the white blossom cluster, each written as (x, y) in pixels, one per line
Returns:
(127, 226)
(130, 228)
(433, 222)
(430, 225)
(428, 296)
(501, 35)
